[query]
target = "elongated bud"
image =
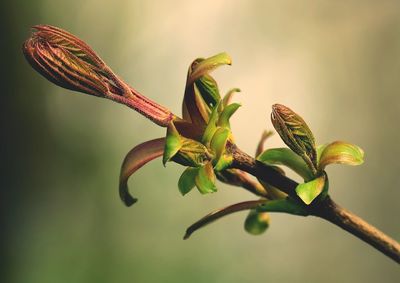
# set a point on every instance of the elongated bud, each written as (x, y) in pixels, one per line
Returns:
(70, 63)
(295, 133)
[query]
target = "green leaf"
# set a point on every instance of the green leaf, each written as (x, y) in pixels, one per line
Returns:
(295, 133)
(283, 205)
(340, 152)
(256, 222)
(218, 145)
(286, 157)
(310, 190)
(208, 89)
(191, 153)
(207, 65)
(223, 162)
(211, 127)
(219, 140)
(173, 143)
(226, 114)
(135, 159)
(187, 180)
(205, 179)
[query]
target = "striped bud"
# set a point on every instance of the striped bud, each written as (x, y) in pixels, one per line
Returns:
(70, 63)
(295, 133)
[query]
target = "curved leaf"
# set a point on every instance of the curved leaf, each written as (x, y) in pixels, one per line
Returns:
(340, 152)
(218, 141)
(173, 143)
(205, 179)
(288, 158)
(312, 189)
(282, 205)
(256, 222)
(226, 114)
(215, 215)
(207, 65)
(136, 158)
(211, 127)
(186, 182)
(208, 89)
(260, 146)
(228, 96)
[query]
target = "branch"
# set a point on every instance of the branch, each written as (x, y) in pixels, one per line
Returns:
(326, 209)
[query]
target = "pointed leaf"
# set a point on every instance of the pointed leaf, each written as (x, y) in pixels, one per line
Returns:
(215, 215)
(136, 158)
(211, 127)
(186, 182)
(340, 152)
(205, 179)
(226, 114)
(218, 145)
(223, 162)
(228, 96)
(256, 222)
(282, 205)
(310, 190)
(191, 153)
(208, 65)
(172, 143)
(260, 146)
(286, 157)
(194, 108)
(219, 140)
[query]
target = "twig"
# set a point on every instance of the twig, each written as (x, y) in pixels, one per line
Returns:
(326, 209)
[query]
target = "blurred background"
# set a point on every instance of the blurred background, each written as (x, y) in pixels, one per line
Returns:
(337, 63)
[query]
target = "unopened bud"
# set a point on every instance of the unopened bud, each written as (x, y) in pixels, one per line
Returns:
(295, 133)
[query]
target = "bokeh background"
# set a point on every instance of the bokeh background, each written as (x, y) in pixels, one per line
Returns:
(335, 62)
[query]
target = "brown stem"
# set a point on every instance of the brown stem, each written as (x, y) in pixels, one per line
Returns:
(329, 210)
(326, 209)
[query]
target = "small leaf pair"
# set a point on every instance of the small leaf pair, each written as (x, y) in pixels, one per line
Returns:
(304, 157)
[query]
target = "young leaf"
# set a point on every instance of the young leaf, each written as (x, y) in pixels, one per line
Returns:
(173, 143)
(205, 66)
(340, 152)
(218, 142)
(205, 179)
(256, 222)
(208, 89)
(215, 215)
(136, 158)
(191, 153)
(226, 114)
(286, 157)
(228, 96)
(295, 133)
(310, 190)
(194, 108)
(201, 92)
(260, 146)
(211, 127)
(282, 205)
(186, 182)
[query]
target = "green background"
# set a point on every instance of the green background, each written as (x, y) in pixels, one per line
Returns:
(337, 63)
